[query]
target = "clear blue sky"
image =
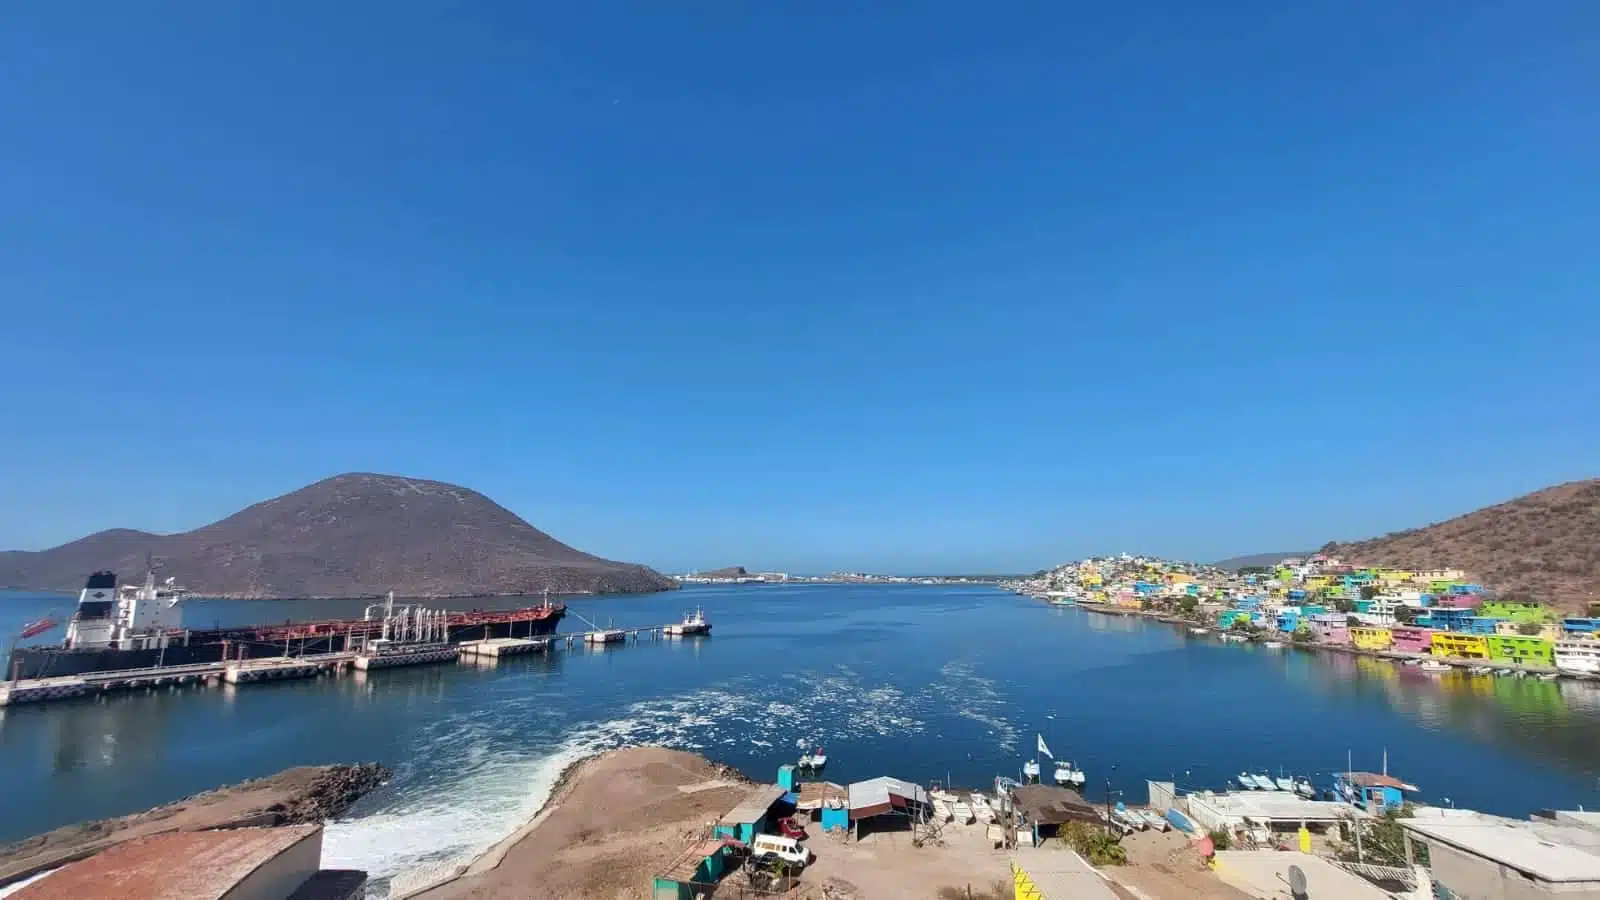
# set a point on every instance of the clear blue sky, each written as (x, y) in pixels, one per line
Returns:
(952, 286)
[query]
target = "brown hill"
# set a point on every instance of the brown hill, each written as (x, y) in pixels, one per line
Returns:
(354, 535)
(1545, 545)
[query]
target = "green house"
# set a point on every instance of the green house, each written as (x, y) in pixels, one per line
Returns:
(1521, 650)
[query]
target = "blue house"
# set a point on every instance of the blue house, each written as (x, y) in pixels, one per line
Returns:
(1451, 618)
(1480, 624)
(1297, 594)
(748, 819)
(1371, 791)
(1459, 589)
(1580, 625)
(1288, 620)
(1248, 603)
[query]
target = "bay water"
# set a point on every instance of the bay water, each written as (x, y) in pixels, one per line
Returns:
(925, 683)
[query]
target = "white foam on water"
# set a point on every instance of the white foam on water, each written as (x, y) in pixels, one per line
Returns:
(973, 697)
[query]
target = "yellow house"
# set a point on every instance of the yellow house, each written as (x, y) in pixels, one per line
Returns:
(1179, 578)
(1395, 576)
(1317, 581)
(1461, 646)
(1372, 638)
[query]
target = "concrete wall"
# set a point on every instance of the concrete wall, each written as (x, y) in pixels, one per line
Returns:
(278, 877)
(1474, 878)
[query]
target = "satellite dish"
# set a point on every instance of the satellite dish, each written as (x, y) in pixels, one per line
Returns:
(1297, 883)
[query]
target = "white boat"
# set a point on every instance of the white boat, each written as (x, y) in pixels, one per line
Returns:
(1305, 789)
(1578, 656)
(1265, 783)
(1199, 631)
(1433, 665)
(962, 813)
(1480, 670)
(1030, 769)
(694, 622)
(804, 762)
(606, 636)
(1284, 784)
(819, 759)
(1066, 775)
(1502, 671)
(941, 795)
(1129, 818)
(1548, 676)
(1248, 781)
(942, 810)
(1273, 645)
(1154, 819)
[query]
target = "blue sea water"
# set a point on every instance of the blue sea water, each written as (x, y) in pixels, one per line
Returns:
(948, 682)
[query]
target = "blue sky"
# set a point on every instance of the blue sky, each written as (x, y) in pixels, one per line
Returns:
(931, 287)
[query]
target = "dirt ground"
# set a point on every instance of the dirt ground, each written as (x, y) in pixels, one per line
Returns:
(619, 818)
(886, 866)
(616, 821)
(294, 796)
(1163, 865)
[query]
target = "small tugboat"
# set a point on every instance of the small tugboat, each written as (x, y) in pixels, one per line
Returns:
(1433, 665)
(693, 623)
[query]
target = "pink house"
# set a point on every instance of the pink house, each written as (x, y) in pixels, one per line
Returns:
(1410, 639)
(1330, 628)
(1459, 601)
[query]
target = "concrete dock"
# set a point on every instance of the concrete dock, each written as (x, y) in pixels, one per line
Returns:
(280, 668)
(494, 648)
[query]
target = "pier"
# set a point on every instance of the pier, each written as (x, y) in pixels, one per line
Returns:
(282, 668)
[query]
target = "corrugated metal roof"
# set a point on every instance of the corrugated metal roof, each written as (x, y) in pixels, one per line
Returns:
(754, 806)
(179, 865)
(878, 791)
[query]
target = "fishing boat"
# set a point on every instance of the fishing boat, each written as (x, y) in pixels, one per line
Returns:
(1248, 781)
(1273, 645)
(1129, 818)
(942, 810)
(1433, 665)
(1284, 784)
(1265, 783)
(1480, 670)
(1502, 671)
(1548, 676)
(962, 813)
(981, 810)
(1199, 631)
(1067, 776)
(1155, 820)
(1030, 770)
(1305, 789)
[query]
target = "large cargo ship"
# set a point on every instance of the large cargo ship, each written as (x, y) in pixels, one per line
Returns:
(139, 626)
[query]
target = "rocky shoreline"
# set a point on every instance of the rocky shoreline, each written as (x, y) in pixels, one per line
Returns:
(306, 794)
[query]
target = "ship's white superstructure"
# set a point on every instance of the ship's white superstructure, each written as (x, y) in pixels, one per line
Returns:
(132, 617)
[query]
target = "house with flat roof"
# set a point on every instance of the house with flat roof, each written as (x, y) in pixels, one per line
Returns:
(230, 864)
(1472, 854)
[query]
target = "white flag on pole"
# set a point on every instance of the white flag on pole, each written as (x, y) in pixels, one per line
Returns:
(1044, 749)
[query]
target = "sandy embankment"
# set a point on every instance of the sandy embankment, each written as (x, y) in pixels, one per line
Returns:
(613, 822)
